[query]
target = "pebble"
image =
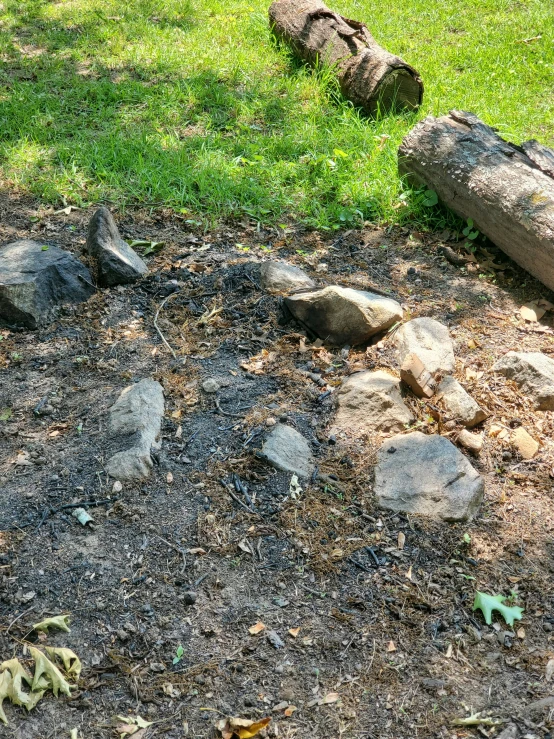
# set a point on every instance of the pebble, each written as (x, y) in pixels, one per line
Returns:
(524, 443)
(189, 598)
(210, 385)
(117, 487)
(279, 669)
(270, 421)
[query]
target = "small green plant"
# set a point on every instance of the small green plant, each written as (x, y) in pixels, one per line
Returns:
(178, 655)
(467, 538)
(469, 232)
(430, 198)
(16, 357)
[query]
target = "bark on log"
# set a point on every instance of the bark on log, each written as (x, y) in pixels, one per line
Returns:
(369, 75)
(507, 190)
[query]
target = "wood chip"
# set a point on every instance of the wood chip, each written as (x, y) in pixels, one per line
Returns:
(524, 443)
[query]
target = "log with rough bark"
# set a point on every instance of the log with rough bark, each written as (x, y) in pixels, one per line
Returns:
(507, 190)
(369, 75)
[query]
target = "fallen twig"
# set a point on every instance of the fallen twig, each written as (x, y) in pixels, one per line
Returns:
(158, 329)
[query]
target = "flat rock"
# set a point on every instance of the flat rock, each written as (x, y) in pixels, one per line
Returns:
(371, 401)
(35, 280)
(286, 449)
(429, 340)
(459, 405)
(135, 424)
(283, 277)
(117, 263)
(341, 315)
(524, 443)
(427, 475)
(533, 372)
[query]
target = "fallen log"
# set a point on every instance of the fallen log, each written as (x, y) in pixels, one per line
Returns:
(369, 76)
(507, 190)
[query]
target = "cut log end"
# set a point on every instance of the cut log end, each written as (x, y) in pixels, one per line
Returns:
(399, 90)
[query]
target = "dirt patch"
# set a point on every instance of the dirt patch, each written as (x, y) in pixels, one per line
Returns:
(389, 629)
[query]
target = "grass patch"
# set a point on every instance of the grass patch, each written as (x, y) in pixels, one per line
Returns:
(189, 103)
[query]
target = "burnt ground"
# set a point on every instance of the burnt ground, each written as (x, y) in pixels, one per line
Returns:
(388, 629)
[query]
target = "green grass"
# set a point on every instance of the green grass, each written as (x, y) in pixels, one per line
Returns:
(189, 103)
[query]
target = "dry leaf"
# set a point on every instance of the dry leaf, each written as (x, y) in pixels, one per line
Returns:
(256, 628)
(531, 312)
(241, 727)
(56, 622)
(290, 710)
(43, 666)
(449, 651)
(391, 647)
(169, 478)
(131, 726)
(521, 633)
(71, 662)
(401, 540)
(294, 632)
(196, 550)
(330, 698)
(549, 672)
(546, 304)
(409, 573)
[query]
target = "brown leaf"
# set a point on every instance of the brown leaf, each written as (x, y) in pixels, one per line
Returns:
(391, 647)
(256, 628)
(241, 727)
(294, 632)
(290, 710)
(531, 312)
(330, 698)
(401, 540)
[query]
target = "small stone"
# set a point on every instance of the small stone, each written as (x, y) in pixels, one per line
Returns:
(117, 487)
(370, 402)
(122, 634)
(279, 669)
(274, 639)
(341, 315)
(286, 449)
(210, 385)
(533, 372)
(416, 377)
(427, 475)
(270, 421)
(430, 341)
(458, 404)
(283, 277)
(189, 598)
(472, 442)
(157, 667)
(524, 443)
(118, 264)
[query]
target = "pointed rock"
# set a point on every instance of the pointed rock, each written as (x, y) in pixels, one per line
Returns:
(459, 405)
(35, 279)
(430, 341)
(283, 277)
(118, 264)
(371, 402)
(135, 426)
(341, 315)
(533, 372)
(427, 475)
(286, 449)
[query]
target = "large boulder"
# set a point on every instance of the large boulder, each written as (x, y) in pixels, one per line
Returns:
(427, 475)
(117, 263)
(533, 372)
(283, 277)
(458, 404)
(135, 427)
(35, 279)
(430, 341)
(286, 449)
(370, 402)
(341, 315)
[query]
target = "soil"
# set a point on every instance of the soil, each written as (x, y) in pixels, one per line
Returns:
(384, 642)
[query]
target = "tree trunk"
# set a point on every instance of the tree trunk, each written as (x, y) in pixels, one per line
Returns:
(507, 190)
(368, 75)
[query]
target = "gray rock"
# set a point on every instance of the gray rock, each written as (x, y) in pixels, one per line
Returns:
(341, 315)
(459, 405)
(286, 449)
(429, 340)
(210, 385)
(371, 401)
(135, 424)
(35, 280)
(117, 263)
(427, 475)
(533, 372)
(283, 277)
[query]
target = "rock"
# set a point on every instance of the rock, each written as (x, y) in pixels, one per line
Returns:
(427, 475)
(189, 598)
(341, 315)
(430, 341)
(210, 385)
(135, 423)
(459, 405)
(416, 377)
(371, 401)
(472, 442)
(533, 372)
(118, 264)
(286, 449)
(283, 277)
(524, 443)
(35, 280)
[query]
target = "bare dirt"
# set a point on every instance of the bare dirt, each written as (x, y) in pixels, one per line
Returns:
(390, 630)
